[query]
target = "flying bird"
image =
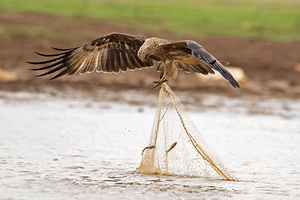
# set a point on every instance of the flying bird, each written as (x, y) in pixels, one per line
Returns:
(118, 52)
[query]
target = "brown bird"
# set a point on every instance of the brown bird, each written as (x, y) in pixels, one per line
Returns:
(117, 52)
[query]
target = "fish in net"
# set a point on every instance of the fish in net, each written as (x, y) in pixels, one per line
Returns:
(176, 147)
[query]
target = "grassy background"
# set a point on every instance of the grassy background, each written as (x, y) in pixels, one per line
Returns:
(276, 20)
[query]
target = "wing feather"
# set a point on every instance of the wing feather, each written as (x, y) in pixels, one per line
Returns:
(195, 57)
(118, 64)
(183, 67)
(108, 68)
(45, 62)
(52, 71)
(87, 67)
(111, 53)
(98, 63)
(61, 73)
(104, 59)
(199, 52)
(131, 60)
(123, 59)
(77, 65)
(140, 64)
(92, 67)
(179, 52)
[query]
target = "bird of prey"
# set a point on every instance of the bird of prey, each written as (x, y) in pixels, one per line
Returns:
(118, 52)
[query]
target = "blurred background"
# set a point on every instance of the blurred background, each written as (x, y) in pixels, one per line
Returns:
(81, 137)
(260, 38)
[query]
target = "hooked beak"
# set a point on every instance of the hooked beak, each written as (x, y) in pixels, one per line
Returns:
(142, 55)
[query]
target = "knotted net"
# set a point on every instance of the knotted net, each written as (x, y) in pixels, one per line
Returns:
(176, 147)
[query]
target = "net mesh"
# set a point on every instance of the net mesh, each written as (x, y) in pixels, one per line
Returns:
(176, 147)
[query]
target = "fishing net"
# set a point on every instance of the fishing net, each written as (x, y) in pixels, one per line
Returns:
(176, 147)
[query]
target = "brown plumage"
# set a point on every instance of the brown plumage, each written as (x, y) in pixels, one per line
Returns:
(117, 52)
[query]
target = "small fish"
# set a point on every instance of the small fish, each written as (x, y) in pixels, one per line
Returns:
(149, 147)
(171, 147)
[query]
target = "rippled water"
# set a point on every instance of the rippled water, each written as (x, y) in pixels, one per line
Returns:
(56, 149)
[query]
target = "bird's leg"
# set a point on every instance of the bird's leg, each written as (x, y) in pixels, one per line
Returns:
(160, 81)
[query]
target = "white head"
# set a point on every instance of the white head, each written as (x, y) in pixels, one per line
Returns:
(149, 48)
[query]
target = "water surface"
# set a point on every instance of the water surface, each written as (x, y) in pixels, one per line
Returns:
(53, 148)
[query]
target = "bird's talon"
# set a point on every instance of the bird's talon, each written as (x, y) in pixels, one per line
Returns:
(157, 83)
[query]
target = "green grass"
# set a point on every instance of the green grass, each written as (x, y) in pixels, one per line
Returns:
(277, 20)
(31, 31)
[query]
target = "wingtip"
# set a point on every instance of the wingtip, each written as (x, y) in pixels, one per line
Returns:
(30, 62)
(39, 75)
(40, 54)
(60, 49)
(235, 84)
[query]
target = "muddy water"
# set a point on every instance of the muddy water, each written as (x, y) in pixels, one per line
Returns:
(61, 149)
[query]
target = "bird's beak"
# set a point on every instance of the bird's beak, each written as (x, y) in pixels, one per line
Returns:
(142, 56)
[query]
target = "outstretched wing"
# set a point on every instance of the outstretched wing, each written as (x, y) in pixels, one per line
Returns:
(180, 54)
(190, 56)
(199, 52)
(111, 53)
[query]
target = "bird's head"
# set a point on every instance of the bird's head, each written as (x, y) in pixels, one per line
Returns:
(148, 48)
(143, 54)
